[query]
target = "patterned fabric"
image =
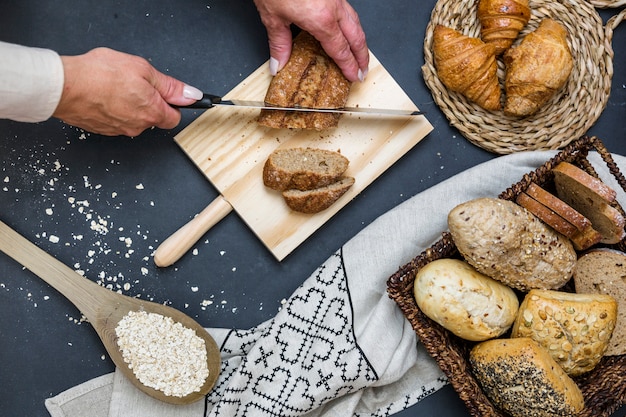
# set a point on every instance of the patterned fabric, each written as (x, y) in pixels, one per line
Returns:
(306, 356)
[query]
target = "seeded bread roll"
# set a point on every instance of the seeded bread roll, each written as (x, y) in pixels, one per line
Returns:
(592, 198)
(309, 79)
(506, 242)
(464, 301)
(602, 271)
(574, 328)
(522, 379)
(317, 199)
(303, 168)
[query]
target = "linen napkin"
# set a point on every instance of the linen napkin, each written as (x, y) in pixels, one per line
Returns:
(339, 346)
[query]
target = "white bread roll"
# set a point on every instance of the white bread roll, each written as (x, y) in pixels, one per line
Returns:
(574, 328)
(464, 301)
(522, 379)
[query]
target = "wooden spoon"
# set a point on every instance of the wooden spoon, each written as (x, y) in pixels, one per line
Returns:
(104, 309)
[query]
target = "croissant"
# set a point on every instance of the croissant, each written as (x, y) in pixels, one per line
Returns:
(536, 69)
(467, 65)
(501, 21)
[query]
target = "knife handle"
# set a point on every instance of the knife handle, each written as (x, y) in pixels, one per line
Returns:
(175, 246)
(206, 102)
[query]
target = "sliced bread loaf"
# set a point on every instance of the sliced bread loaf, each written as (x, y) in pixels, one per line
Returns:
(603, 271)
(592, 198)
(317, 199)
(303, 168)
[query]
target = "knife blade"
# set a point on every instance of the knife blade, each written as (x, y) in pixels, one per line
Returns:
(209, 101)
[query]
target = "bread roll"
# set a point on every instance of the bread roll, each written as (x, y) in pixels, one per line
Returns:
(309, 79)
(574, 328)
(602, 271)
(536, 69)
(506, 242)
(467, 66)
(464, 301)
(303, 168)
(522, 379)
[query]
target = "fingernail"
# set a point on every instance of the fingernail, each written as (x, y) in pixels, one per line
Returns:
(273, 66)
(192, 92)
(362, 74)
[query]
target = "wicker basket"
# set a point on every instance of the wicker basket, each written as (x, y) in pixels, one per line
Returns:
(604, 388)
(569, 114)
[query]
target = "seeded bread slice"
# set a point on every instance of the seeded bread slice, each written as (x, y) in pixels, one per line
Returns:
(303, 168)
(592, 198)
(603, 271)
(318, 199)
(522, 379)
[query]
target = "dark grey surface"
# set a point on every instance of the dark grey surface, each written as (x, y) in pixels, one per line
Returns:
(214, 46)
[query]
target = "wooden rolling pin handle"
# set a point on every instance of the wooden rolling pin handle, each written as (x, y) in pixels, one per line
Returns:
(175, 246)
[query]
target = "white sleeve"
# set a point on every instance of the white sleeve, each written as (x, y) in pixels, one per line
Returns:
(31, 82)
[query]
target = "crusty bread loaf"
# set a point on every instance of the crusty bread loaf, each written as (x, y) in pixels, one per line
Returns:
(464, 301)
(522, 379)
(506, 242)
(303, 168)
(603, 271)
(574, 328)
(317, 199)
(309, 79)
(592, 198)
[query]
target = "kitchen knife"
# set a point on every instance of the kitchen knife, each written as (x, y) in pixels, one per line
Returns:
(209, 101)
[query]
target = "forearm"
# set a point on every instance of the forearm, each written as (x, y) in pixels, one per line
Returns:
(31, 82)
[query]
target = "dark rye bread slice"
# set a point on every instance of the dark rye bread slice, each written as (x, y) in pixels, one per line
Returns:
(318, 199)
(303, 168)
(309, 79)
(603, 271)
(592, 198)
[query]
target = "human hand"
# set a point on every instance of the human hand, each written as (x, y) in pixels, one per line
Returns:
(113, 93)
(333, 22)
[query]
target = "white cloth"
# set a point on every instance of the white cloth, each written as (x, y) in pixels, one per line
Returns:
(31, 82)
(340, 346)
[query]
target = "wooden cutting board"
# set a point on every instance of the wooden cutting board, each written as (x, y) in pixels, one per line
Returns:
(230, 148)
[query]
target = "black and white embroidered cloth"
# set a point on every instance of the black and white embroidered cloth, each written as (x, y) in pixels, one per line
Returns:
(339, 346)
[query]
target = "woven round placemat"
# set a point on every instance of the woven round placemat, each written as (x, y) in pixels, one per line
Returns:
(567, 115)
(606, 4)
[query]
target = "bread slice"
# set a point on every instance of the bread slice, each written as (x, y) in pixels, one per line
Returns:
(547, 215)
(303, 168)
(521, 378)
(318, 199)
(603, 271)
(560, 216)
(574, 328)
(309, 79)
(592, 198)
(558, 206)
